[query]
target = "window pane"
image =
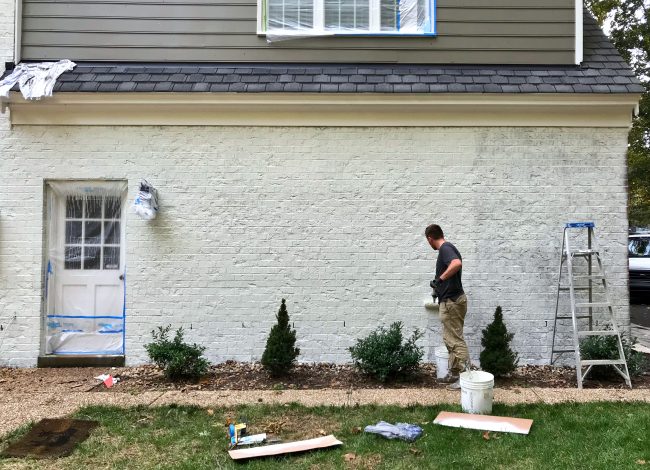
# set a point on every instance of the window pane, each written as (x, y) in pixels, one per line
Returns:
(290, 14)
(111, 257)
(403, 16)
(91, 257)
(94, 207)
(112, 232)
(93, 235)
(72, 257)
(389, 15)
(74, 207)
(639, 247)
(347, 14)
(73, 232)
(112, 207)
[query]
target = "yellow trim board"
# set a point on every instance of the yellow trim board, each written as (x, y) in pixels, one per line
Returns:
(322, 109)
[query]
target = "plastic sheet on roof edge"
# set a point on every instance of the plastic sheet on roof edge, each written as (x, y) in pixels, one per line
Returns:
(84, 286)
(410, 22)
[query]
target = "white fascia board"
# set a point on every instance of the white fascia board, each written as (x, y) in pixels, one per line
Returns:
(327, 109)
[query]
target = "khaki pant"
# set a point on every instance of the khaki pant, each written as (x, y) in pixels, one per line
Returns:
(452, 316)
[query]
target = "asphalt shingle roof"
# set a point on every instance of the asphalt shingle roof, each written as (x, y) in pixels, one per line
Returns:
(602, 71)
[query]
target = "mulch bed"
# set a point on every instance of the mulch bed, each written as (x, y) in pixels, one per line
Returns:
(232, 375)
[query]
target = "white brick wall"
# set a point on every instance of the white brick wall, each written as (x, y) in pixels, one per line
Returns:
(332, 219)
(6, 31)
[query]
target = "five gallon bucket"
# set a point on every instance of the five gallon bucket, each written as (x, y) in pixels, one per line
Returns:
(476, 392)
(442, 361)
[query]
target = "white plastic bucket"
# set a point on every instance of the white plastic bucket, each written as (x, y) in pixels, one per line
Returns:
(476, 392)
(442, 361)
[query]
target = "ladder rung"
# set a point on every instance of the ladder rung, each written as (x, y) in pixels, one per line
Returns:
(575, 288)
(602, 362)
(578, 317)
(592, 276)
(598, 333)
(592, 304)
(584, 252)
(560, 351)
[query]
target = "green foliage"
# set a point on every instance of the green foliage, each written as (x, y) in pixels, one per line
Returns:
(630, 33)
(176, 358)
(497, 358)
(383, 355)
(606, 347)
(280, 353)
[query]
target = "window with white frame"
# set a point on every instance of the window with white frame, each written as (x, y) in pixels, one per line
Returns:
(346, 17)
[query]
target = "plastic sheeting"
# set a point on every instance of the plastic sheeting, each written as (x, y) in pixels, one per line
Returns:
(404, 431)
(293, 19)
(85, 275)
(35, 80)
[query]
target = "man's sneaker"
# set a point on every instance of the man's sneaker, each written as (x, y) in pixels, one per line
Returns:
(454, 386)
(449, 378)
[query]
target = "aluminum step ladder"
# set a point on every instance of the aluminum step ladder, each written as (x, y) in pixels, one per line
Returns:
(584, 309)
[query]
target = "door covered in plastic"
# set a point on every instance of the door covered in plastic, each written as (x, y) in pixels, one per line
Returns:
(85, 271)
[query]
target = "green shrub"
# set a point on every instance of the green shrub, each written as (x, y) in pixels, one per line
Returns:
(176, 358)
(280, 353)
(606, 347)
(497, 357)
(383, 355)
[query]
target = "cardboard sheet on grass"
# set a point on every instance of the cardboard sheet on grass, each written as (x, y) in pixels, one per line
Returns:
(51, 438)
(286, 448)
(484, 422)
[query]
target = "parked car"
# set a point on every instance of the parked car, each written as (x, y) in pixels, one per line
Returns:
(639, 263)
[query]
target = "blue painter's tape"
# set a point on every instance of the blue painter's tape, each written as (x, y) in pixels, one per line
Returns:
(72, 331)
(84, 316)
(108, 332)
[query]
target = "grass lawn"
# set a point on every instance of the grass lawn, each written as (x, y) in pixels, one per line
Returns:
(593, 435)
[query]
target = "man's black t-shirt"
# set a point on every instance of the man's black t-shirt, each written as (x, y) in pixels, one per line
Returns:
(453, 287)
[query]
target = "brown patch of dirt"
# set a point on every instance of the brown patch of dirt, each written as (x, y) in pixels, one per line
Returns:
(232, 375)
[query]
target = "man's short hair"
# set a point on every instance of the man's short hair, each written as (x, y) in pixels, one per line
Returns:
(434, 231)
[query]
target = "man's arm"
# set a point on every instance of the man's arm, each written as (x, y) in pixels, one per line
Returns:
(454, 266)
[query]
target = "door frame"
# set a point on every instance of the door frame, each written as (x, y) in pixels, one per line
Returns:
(49, 360)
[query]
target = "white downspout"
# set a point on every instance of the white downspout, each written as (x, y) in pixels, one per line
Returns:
(578, 32)
(18, 30)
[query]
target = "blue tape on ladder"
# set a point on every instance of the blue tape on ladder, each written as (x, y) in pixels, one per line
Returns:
(580, 225)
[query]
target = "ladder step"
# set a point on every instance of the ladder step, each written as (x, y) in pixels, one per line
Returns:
(575, 253)
(587, 276)
(602, 362)
(575, 288)
(578, 317)
(560, 351)
(592, 304)
(597, 333)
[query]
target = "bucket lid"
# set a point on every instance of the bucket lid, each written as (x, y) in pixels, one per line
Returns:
(477, 376)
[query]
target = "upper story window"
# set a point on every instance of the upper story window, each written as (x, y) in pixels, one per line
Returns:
(346, 17)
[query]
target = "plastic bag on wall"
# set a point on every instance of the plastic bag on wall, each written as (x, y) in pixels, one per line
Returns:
(145, 204)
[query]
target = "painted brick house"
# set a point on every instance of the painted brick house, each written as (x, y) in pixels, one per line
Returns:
(299, 149)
